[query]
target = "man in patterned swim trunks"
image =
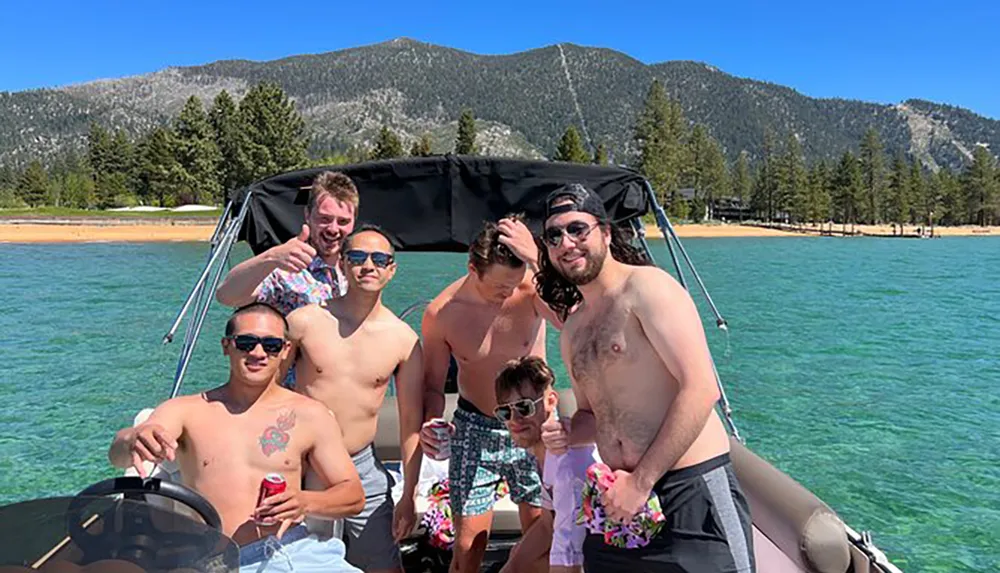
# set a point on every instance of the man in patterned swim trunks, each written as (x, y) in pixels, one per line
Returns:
(487, 317)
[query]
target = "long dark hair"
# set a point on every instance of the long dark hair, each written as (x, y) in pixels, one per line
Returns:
(560, 294)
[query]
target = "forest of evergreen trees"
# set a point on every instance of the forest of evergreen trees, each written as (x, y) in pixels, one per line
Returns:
(202, 154)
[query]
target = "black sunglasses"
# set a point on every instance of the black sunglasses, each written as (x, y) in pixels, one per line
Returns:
(247, 342)
(577, 231)
(524, 407)
(358, 257)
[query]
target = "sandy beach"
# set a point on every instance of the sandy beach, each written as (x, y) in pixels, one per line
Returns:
(195, 230)
(131, 231)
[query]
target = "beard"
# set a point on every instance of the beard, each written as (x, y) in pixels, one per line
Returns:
(589, 272)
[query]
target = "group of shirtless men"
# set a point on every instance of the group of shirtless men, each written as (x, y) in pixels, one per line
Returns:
(632, 342)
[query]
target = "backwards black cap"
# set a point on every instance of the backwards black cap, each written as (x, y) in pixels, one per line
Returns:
(581, 199)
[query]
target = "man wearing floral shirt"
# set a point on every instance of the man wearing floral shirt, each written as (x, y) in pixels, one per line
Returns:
(305, 269)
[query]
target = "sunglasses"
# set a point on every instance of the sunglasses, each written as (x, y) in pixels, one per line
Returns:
(247, 342)
(358, 257)
(577, 231)
(525, 408)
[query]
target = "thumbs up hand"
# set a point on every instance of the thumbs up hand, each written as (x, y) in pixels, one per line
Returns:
(296, 254)
(555, 433)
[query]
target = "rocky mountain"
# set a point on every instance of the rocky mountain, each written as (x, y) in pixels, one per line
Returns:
(523, 102)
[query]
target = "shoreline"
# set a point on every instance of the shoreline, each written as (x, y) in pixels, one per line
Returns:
(84, 230)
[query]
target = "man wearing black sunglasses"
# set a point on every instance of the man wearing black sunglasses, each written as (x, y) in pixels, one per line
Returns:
(645, 389)
(226, 441)
(350, 348)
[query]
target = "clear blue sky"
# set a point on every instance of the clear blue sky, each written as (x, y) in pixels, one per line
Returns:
(882, 51)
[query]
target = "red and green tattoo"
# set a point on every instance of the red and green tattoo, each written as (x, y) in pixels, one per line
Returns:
(275, 438)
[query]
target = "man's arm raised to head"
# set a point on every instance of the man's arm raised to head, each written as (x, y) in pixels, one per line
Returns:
(517, 237)
(243, 282)
(328, 457)
(670, 321)
(436, 361)
(154, 440)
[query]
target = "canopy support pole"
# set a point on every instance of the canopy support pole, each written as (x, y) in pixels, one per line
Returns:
(201, 297)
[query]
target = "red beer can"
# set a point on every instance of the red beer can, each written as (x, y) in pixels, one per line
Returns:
(272, 484)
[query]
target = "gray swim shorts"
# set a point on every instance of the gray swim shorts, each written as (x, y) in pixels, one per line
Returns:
(368, 535)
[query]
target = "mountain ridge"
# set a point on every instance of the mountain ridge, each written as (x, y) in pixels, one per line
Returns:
(526, 98)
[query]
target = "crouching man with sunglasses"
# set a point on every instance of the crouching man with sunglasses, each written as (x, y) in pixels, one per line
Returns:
(227, 439)
(350, 347)
(527, 401)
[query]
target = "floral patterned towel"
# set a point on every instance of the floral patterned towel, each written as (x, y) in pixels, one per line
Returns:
(637, 533)
(437, 519)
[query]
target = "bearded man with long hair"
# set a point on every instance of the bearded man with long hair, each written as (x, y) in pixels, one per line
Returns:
(645, 388)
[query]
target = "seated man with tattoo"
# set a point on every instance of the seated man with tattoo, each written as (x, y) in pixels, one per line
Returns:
(227, 440)
(645, 389)
(350, 347)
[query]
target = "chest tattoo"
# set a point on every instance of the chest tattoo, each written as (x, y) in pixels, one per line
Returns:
(275, 437)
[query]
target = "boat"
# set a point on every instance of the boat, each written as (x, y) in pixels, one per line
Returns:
(428, 204)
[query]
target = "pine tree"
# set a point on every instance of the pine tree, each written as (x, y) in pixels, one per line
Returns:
(465, 142)
(980, 186)
(230, 135)
(818, 204)
(765, 187)
(98, 148)
(275, 131)
(659, 134)
(600, 155)
(791, 180)
(112, 164)
(387, 145)
(704, 170)
(921, 203)
(848, 187)
(422, 147)
(949, 198)
(899, 191)
(33, 185)
(741, 181)
(872, 158)
(163, 179)
(198, 154)
(571, 147)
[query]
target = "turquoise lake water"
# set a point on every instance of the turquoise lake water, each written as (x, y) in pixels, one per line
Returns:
(867, 369)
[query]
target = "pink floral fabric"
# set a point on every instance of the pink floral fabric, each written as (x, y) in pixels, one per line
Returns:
(437, 520)
(637, 533)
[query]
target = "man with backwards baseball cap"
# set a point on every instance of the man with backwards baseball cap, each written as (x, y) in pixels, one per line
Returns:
(645, 388)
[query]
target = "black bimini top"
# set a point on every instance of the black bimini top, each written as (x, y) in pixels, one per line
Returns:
(436, 203)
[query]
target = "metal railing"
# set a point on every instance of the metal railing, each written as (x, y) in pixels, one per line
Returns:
(203, 292)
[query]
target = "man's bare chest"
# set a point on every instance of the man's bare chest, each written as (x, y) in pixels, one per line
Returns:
(273, 442)
(477, 334)
(602, 343)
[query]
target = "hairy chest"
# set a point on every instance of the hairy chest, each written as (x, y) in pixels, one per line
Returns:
(602, 342)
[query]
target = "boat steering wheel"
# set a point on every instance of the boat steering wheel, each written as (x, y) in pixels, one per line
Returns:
(133, 534)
